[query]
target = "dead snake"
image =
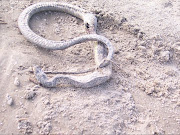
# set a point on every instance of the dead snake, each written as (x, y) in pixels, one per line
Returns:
(103, 71)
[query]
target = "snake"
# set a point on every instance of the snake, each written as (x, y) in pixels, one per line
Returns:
(103, 70)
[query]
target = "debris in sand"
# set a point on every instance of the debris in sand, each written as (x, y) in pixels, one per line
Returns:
(178, 103)
(9, 100)
(176, 46)
(16, 81)
(25, 126)
(32, 87)
(2, 21)
(143, 48)
(165, 56)
(30, 95)
(44, 127)
(33, 79)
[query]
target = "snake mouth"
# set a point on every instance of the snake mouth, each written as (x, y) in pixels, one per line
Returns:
(87, 25)
(90, 29)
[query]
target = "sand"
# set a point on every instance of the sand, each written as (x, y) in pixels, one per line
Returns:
(143, 95)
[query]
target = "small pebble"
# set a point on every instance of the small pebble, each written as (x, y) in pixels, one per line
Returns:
(9, 100)
(142, 48)
(30, 95)
(165, 56)
(129, 56)
(16, 81)
(176, 46)
(149, 91)
(178, 103)
(36, 86)
(116, 52)
(140, 35)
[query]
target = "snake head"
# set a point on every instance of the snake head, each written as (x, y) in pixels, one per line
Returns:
(90, 22)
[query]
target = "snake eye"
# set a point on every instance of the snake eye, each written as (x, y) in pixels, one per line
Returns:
(87, 25)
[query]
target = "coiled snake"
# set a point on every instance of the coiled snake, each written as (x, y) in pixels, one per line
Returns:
(103, 71)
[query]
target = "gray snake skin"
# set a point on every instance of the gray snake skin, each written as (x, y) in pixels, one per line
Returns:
(103, 65)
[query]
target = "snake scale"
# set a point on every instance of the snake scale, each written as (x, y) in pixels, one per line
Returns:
(103, 71)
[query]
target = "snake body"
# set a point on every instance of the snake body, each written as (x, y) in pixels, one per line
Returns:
(102, 74)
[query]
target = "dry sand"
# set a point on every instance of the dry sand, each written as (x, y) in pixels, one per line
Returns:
(143, 95)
